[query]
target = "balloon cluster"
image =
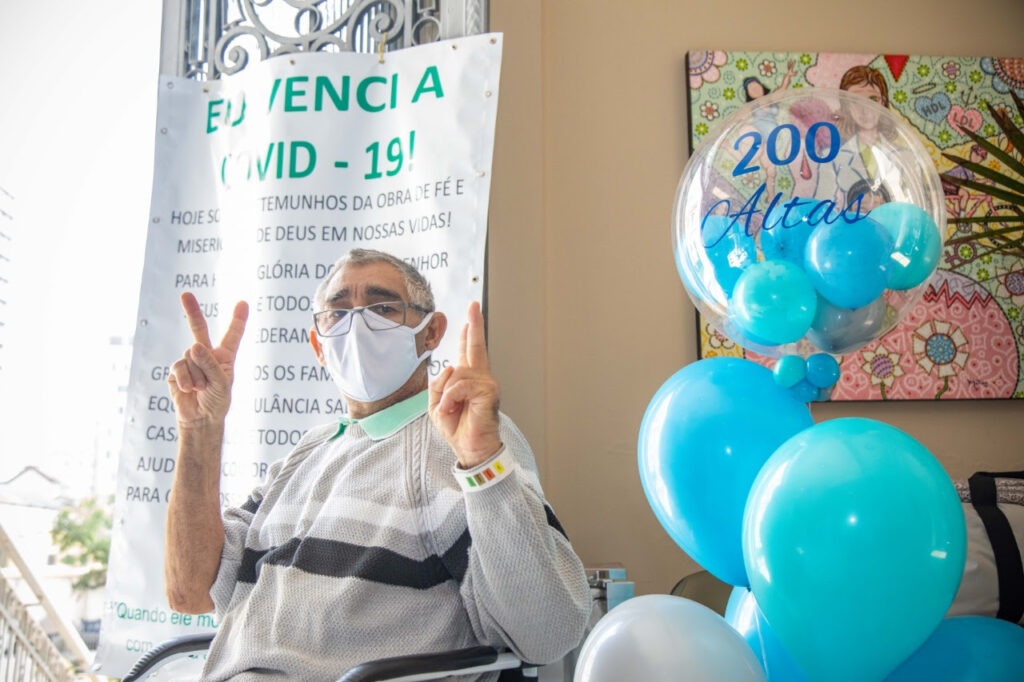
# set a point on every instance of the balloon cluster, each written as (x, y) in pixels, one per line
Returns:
(845, 541)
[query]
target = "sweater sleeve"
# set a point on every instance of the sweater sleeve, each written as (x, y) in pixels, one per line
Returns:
(238, 519)
(236, 527)
(524, 588)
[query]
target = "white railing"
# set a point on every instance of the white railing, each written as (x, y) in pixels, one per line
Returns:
(26, 652)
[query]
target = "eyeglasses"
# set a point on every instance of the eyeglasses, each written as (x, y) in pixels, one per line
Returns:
(387, 315)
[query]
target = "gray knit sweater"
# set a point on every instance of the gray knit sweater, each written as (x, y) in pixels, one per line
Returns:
(358, 548)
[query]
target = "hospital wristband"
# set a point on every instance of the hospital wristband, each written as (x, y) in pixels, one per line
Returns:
(486, 474)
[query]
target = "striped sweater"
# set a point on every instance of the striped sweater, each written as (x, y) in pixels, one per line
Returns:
(360, 547)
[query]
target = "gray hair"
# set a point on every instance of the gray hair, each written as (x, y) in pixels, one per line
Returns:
(416, 284)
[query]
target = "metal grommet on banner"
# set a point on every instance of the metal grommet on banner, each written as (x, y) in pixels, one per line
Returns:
(380, 47)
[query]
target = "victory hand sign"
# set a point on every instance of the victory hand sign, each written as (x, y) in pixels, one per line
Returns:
(464, 398)
(200, 382)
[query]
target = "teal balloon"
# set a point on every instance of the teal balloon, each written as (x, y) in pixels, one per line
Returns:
(917, 244)
(706, 433)
(849, 263)
(743, 614)
(841, 330)
(785, 231)
(789, 370)
(773, 301)
(822, 370)
(854, 542)
(729, 248)
(967, 649)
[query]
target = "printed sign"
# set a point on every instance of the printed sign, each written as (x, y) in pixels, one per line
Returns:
(262, 181)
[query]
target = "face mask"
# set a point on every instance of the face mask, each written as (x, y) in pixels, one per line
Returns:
(369, 365)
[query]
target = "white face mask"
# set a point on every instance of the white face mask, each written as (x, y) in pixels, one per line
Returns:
(369, 365)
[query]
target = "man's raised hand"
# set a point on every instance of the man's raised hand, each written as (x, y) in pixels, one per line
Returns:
(464, 398)
(200, 382)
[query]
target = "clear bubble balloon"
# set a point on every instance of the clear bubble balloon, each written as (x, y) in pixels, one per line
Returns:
(826, 182)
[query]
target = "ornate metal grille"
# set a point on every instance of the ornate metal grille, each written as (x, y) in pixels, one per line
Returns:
(207, 39)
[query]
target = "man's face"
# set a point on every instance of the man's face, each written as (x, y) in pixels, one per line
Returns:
(363, 284)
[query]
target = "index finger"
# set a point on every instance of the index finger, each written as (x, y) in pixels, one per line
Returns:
(196, 319)
(233, 336)
(476, 344)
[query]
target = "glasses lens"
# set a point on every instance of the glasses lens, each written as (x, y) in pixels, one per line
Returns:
(332, 322)
(385, 315)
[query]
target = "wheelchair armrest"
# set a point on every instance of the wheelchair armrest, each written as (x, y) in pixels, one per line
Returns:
(431, 666)
(166, 649)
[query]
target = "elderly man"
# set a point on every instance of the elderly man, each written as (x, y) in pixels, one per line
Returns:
(416, 524)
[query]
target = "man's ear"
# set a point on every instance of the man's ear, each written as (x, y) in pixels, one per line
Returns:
(434, 331)
(318, 348)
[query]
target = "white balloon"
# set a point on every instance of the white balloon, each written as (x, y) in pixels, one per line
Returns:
(661, 638)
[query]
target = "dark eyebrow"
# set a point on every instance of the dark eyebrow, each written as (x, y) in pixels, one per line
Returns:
(372, 291)
(381, 292)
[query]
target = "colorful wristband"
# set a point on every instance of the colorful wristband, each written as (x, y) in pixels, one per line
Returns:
(485, 475)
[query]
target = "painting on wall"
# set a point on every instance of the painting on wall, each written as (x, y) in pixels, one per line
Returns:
(964, 338)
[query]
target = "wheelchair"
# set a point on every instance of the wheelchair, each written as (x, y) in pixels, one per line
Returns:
(154, 665)
(608, 587)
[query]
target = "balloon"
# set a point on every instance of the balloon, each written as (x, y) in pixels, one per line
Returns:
(743, 614)
(840, 330)
(703, 438)
(789, 370)
(729, 248)
(917, 243)
(805, 392)
(777, 180)
(822, 370)
(661, 638)
(849, 263)
(967, 649)
(854, 542)
(785, 238)
(773, 301)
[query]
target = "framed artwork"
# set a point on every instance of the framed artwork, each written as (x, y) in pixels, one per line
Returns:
(964, 338)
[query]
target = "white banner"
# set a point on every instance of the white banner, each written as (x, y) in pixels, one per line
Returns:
(262, 181)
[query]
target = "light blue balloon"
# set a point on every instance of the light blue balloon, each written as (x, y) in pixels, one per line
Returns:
(917, 244)
(789, 370)
(773, 301)
(785, 231)
(730, 249)
(854, 542)
(841, 330)
(703, 438)
(743, 614)
(967, 649)
(822, 370)
(849, 263)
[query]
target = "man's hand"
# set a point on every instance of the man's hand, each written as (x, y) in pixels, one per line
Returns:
(200, 382)
(464, 398)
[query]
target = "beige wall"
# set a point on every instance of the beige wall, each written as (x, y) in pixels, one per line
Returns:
(587, 315)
